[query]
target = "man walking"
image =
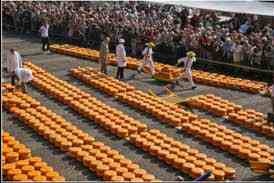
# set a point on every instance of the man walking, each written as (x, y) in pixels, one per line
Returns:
(188, 61)
(44, 32)
(121, 59)
(147, 59)
(104, 51)
(14, 61)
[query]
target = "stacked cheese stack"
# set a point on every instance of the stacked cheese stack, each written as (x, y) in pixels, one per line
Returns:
(19, 165)
(253, 120)
(164, 111)
(49, 125)
(181, 156)
(107, 84)
(168, 73)
(68, 138)
(190, 123)
(170, 113)
(93, 109)
(221, 80)
(88, 106)
(229, 140)
(211, 103)
(109, 164)
(13, 150)
(248, 118)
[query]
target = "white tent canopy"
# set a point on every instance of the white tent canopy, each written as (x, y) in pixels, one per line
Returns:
(249, 7)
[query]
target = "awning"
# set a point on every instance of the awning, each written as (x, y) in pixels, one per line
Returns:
(248, 7)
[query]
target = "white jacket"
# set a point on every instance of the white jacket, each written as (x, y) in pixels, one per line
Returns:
(44, 31)
(147, 52)
(24, 75)
(14, 61)
(187, 63)
(121, 55)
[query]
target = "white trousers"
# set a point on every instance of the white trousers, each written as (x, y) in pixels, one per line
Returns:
(149, 64)
(188, 75)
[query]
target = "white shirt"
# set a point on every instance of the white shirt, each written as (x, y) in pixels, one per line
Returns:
(147, 52)
(44, 30)
(14, 61)
(187, 63)
(121, 55)
(24, 75)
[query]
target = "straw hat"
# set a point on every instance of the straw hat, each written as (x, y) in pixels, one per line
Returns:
(151, 44)
(191, 54)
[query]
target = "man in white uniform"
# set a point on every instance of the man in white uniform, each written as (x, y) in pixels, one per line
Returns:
(44, 31)
(14, 61)
(188, 61)
(24, 76)
(121, 59)
(147, 59)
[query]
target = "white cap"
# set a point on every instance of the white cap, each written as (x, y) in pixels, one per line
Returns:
(121, 41)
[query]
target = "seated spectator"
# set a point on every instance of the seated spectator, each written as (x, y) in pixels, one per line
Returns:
(244, 27)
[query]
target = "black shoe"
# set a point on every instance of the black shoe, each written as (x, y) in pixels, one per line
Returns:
(193, 87)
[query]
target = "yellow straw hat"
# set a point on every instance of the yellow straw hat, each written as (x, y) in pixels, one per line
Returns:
(191, 54)
(151, 44)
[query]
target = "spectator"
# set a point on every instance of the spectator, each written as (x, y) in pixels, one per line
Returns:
(237, 50)
(181, 50)
(266, 53)
(227, 49)
(44, 31)
(256, 56)
(244, 27)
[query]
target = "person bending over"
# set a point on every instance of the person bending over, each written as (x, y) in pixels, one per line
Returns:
(23, 76)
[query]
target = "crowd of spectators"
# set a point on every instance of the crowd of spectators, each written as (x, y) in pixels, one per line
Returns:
(175, 30)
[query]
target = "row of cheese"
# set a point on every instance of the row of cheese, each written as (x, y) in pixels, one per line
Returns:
(248, 118)
(213, 133)
(172, 114)
(111, 119)
(67, 137)
(168, 72)
(20, 165)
